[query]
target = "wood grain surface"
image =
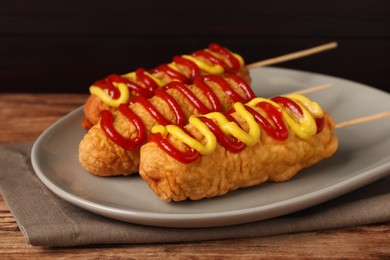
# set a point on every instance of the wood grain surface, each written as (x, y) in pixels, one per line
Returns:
(25, 116)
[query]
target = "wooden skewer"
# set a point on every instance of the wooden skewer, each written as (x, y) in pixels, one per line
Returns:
(348, 122)
(313, 89)
(292, 56)
(363, 119)
(307, 52)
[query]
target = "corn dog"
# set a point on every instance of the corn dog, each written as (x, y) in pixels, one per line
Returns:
(107, 95)
(264, 140)
(111, 147)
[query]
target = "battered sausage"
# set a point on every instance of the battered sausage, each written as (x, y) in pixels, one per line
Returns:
(215, 60)
(103, 152)
(222, 171)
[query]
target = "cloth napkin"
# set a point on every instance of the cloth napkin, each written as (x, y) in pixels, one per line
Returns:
(47, 220)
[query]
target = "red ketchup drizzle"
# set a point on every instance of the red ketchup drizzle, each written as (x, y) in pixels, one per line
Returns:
(107, 85)
(277, 129)
(190, 155)
(211, 58)
(173, 74)
(173, 105)
(186, 92)
(235, 63)
(320, 122)
(288, 103)
(107, 125)
(248, 91)
(177, 111)
(194, 69)
(230, 143)
(224, 85)
(296, 109)
(150, 84)
(151, 109)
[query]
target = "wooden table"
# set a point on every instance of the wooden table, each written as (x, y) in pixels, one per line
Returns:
(24, 116)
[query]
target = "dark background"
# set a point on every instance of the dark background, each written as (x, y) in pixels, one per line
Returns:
(64, 46)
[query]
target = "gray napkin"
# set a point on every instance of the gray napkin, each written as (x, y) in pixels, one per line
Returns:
(46, 220)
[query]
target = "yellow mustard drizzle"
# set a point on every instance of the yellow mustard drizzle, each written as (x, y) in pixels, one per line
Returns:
(125, 95)
(304, 128)
(239, 58)
(212, 69)
(313, 107)
(173, 66)
(106, 98)
(234, 129)
(179, 134)
(132, 76)
(306, 125)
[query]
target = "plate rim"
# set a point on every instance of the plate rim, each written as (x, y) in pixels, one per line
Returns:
(365, 176)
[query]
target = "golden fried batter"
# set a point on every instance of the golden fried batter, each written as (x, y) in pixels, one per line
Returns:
(92, 108)
(220, 172)
(95, 105)
(100, 156)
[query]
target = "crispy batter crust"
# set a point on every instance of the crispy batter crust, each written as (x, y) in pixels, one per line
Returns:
(92, 108)
(100, 156)
(94, 105)
(222, 171)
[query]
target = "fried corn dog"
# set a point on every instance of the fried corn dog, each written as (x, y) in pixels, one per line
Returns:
(105, 94)
(111, 147)
(265, 140)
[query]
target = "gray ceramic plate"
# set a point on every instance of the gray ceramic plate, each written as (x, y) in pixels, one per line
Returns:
(363, 157)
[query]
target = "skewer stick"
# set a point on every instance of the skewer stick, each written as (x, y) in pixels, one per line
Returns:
(292, 56)
(348, 122)
(363, 119)
(313, 89)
